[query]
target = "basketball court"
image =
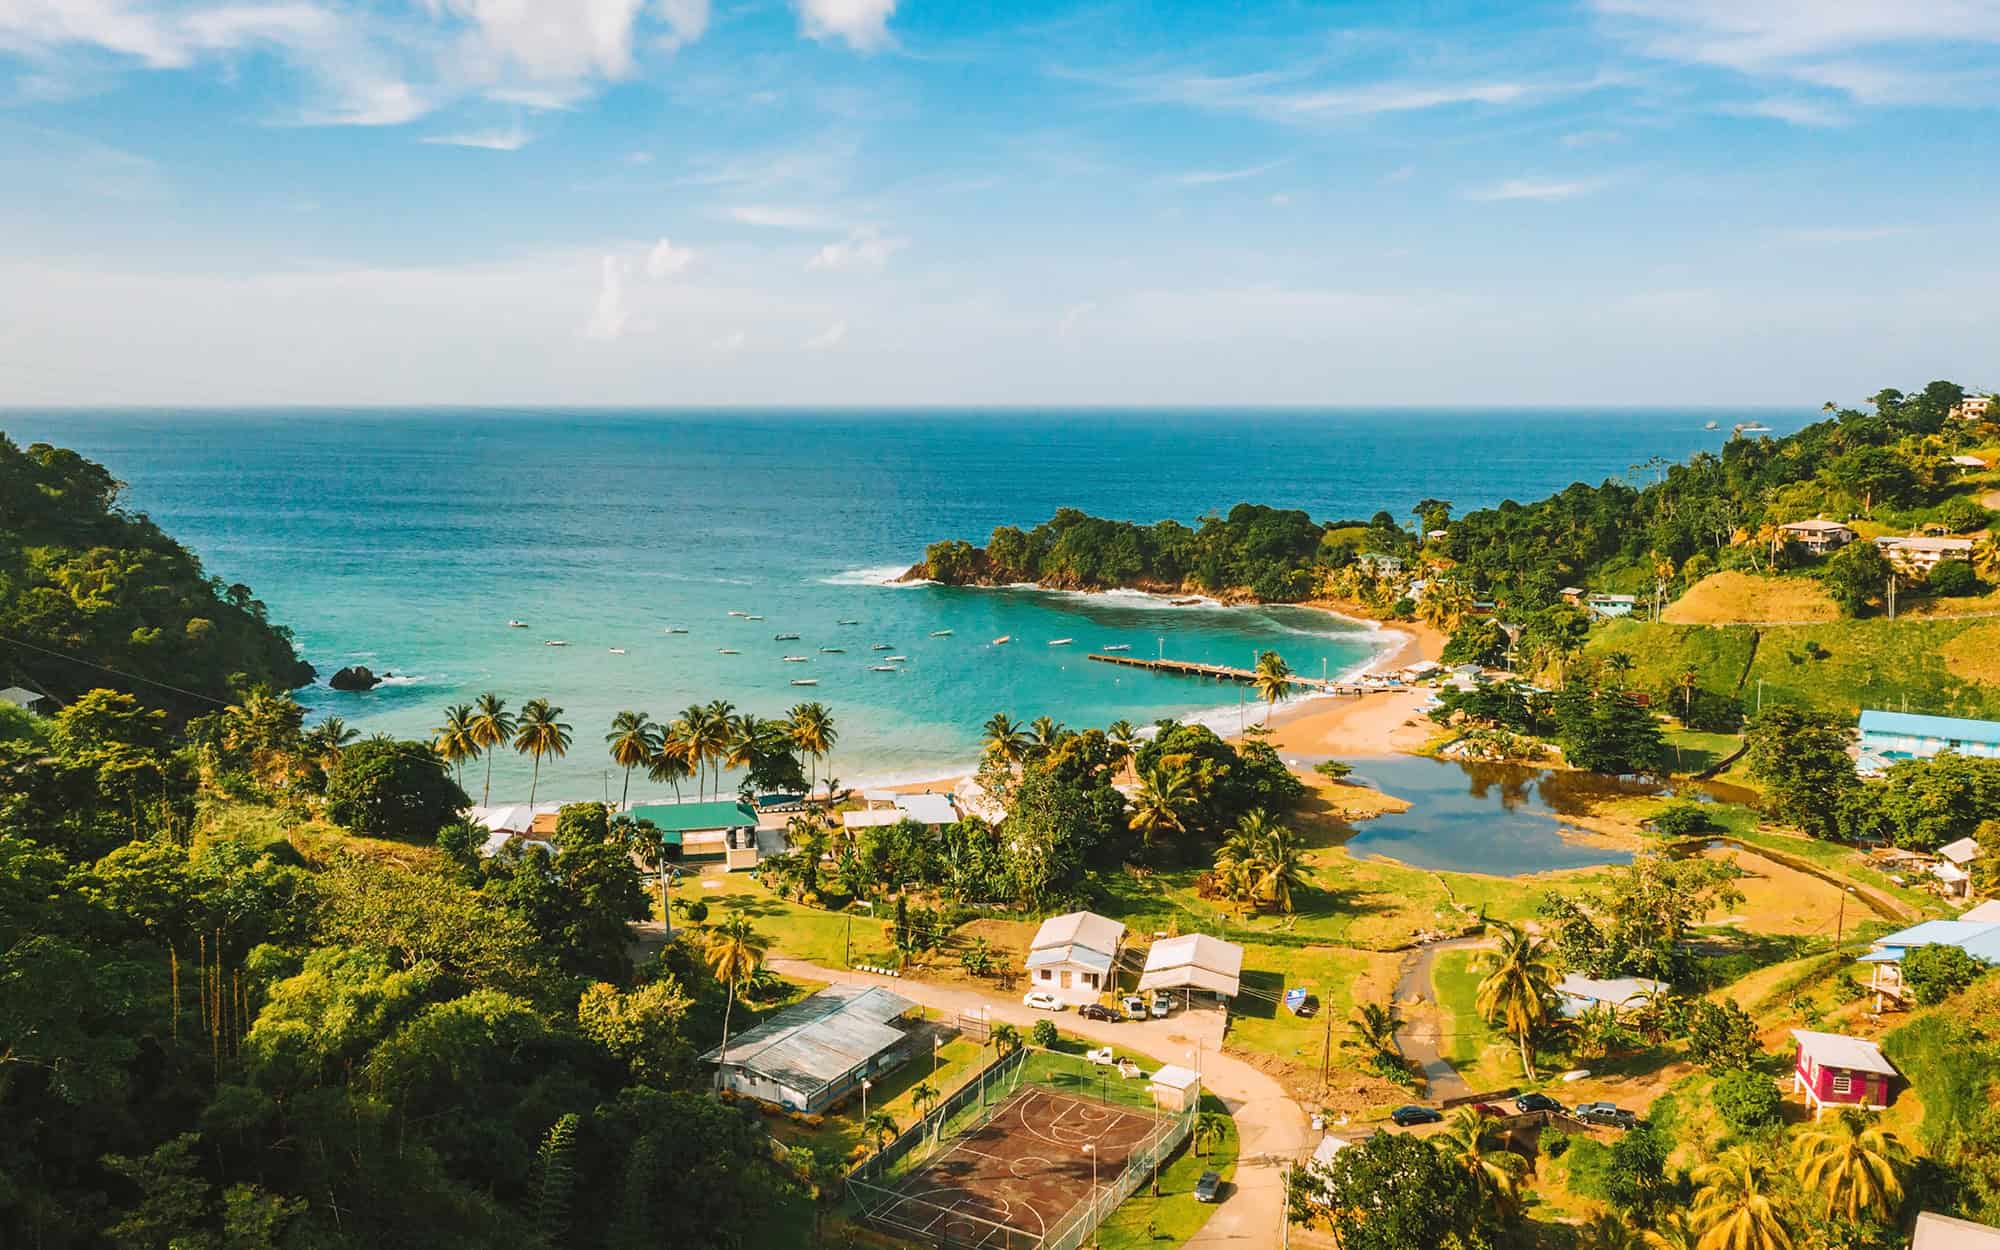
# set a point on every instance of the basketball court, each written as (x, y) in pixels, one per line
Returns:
(1017, 1178)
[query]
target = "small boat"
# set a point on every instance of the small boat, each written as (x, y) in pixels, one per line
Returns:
(1752, 427)
(676, 629)
(940, 633)
(555, 642)
(805, 681)
(1184, 603)
(899, 659)
(729, 651)
(734, 612)
(883, 668)
(1711, 425)
(618, 651)
(517, 624)
(1060, 642)
(753, 617)
(847, 622)
(833, 650)
(881, 646)
(1119, 646)
(797, 659)
(1003, 640)
(784, 637)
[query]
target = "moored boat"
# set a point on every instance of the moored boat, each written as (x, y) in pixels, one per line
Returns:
(940, 633)
(1060, 642)
(805, 681)
(555, 642)
(517, 624)
(833, 650)
(784, 637)
(797, 659)
(883, 668)
(618, 651)
(1118, 646)
(728, 651)
(1003, 640)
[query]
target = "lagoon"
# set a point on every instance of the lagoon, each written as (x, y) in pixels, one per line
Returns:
(1500, 819)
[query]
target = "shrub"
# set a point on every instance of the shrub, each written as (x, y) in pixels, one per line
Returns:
(1961, 515)
(1554, 1142)
(1952, 578)
(1043, 1034)
(1747, 1101)
(1721, 1036)
(1936, 972)
(1681, 819)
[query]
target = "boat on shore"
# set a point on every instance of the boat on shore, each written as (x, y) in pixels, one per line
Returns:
(940, 633)
(1119, 646)
(805, 681)
(1188, 602)
(784, 637)
(1003, 640)
(1060, 642)
(556, 642)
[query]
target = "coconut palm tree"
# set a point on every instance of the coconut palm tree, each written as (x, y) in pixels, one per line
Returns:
(1518, 988)
(743, 740)
(1159, 804)
(454, 739)
(1004, 739)
(1608, 1231)
(538, 733)
(1733, 1208)
(1618, 663)
(1853, 1166)
(880, 1128)
(1210, 1127)
(1375, 1026)
(634, 741)
(1672, 1232)
(813, 733)
(1123, 736)
(923, 1096)
(323, 741)
(1269, 856)
(1467, 1142)
(492, 726)
(1006, 1038)
(669, 764)
(1986, 556)
(1272, 679)
(715, 744)
(734, 952)
(1044, 732)
(1445, 605)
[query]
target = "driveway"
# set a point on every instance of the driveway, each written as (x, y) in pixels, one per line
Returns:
(1270, 1127)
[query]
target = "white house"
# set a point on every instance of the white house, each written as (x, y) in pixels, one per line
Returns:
(1944, 1232)
(1817, 536)
(1621, 994)
(1919, 554)
(1175, 1088)
(888, 808)
(1194, 961)
(1072, 956)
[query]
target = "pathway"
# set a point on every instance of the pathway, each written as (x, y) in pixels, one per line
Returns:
(1271, 1128)
(1420, 1036)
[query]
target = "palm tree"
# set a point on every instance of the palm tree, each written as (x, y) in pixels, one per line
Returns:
(1006, 1038)
(1265, 856)
(634, 741)
(323, 741)
(1618, 663)
(742, 742)
(1467, 1142)
(813, 733)
(1986, 556)
(880, 1128)
(1375, 1027)
(669, 764)
(1124, 738)
(492, 726)
(734, 952)
(1734, 1209)
(539, 733)
(1273, 680)
(1517, 990)
(1687, 680)
(923, 1097)
(1004, 739)
(717, 716)
(1445, 605)
(1210, 1127)
(1853, 1166)
(1673, 1232)
(1609, 1231)
(1044, 732)
(1158, 804)
(454, 740)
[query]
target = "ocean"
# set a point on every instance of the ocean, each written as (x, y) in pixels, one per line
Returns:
(406, 541)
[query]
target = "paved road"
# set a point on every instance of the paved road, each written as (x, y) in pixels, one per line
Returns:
(1419, 1038)
(1271, 1127)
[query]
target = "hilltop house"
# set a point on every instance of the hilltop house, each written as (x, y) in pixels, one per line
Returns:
(1908, 735)
(1609, 607)
(1977, 933)
(25, 699)
(1972, 408)
(814, 1052)
(1944, 1232)
(1919, 554)
(1072, 956)
(1818, 536)
(1835, 1070)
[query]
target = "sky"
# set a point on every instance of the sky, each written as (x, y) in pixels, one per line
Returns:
(856, 202)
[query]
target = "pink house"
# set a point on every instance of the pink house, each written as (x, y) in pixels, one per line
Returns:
(1838, 1071)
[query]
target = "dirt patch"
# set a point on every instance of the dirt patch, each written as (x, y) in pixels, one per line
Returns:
(1975, 654)
(1733, 598)
(1777, 899)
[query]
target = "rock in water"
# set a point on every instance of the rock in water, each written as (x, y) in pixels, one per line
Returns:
(355, 678)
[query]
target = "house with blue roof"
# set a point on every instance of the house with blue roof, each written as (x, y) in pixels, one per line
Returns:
(1978, 935)
(1895, 736)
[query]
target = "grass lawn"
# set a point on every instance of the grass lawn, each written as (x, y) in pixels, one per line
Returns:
(1730, 597)
(892, 1094)
(1485, 1059)
(1339, 976)
(822, 937)
(1169, 1220)
(1692, 751)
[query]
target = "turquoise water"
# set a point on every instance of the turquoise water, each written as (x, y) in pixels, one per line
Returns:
(407, 540)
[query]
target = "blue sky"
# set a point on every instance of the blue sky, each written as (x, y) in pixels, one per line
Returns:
(899, 201)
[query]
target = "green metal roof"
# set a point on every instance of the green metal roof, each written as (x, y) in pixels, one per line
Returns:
(677, 818)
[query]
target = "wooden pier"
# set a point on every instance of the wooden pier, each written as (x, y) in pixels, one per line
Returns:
(1223, 672)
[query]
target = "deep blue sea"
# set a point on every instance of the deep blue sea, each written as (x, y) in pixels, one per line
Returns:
(407, 540)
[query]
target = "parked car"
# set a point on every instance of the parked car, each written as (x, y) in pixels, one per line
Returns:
(1209, 1187)
(1041, 1000)
(1536, 1102)
(1413, 1114)
(1488, 1109)
(1162, 1004)
(1608, 1114)
(1097, 1011)
(1135, 1007)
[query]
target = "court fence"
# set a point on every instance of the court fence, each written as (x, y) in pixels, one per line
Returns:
(870, 1185)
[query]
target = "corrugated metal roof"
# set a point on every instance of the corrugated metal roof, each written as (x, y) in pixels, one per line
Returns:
(1081, 956)
(1948, 932)
(1914, 725)
(689, 817)
(1196, 961)
(1836, 1050)
(810, 1043)
(1081, 928)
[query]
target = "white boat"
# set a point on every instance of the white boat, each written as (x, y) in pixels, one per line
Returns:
(517, 624)
(882, 646)
(1060, 642)
(555, 642)
(805, 681)
(676, 629)
(899, 659)
(940, 633)
(1711, 425)
(729, 651)
(883, 668)
(734, 612)
(1003, 640)
(753, 617)
(847, 622)
(833, 650)
(784, 637)
(1119, 646)
(618, 651)
(797, 659)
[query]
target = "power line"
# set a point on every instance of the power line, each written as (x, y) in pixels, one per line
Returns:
(115, 672)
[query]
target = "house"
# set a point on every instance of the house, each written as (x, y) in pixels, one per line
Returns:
(1620, 994)
(719, 830)
(1572, 595)
(1072, 956)
(888, 808)
(1919, 554)
(25, 699)
(1609, 607)
(1378, 564)
(815, 1052)
(1971, 464)
(1978, 937)
(1194, 961)
(1818, 536)
(1175, 1088)
(1909, 735)
(1987, 912)
(1972, 408)
(1835, 1070)
(1955, 867)
(1944, 1232)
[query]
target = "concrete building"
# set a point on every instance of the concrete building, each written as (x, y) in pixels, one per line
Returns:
(1895, 736)
(1973, 408)
(815, 1052)
(1974, 933)
(1818, 536)
(1072, 956)
(1917, 553)
(888, 808)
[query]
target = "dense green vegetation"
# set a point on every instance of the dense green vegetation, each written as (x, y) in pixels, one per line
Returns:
(92, 596)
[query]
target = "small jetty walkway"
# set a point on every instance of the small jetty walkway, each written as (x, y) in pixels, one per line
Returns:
(1223, 672)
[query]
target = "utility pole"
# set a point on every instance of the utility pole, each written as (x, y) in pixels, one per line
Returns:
(1326, 1052)
(847, 946)
(1892, 596)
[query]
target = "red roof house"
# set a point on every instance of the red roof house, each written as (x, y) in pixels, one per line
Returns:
(1834, 1070)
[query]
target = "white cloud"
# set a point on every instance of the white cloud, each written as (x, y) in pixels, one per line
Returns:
(778, 217)
(828, 338)
(863, 248)
(1280, 200)
(1793, 109)
(1284, 96)
(687, 21)
(512, 139)
(1402, 173)
(1206, 177)
(608, 319)
(863, 24)
(1547, 189)
(1071, 317)
(730, 342)
(665, 260)
(1843, 234)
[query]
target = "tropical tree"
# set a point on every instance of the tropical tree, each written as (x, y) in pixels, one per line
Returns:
(1044, 732)
(1608, 1230)
(538, 733)
(1734, 1208)
(1853, 1166)
(670, 764)
(924, 1096)
(1445, 604)
(880, 1128)
(1210, 1127)
(1671, 1232)
(813, 733)
(323, 741)
(1272, 679)
(734, 952)
(492, 726)
(1004, 739)
(1518, 989)
(1006, 1038)
(1157, 806)
(634, 741)
(1123, 736)
(1375, 1026)
(743, 739)
(1467, 1141)
(1264, 857)
(454, 740)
